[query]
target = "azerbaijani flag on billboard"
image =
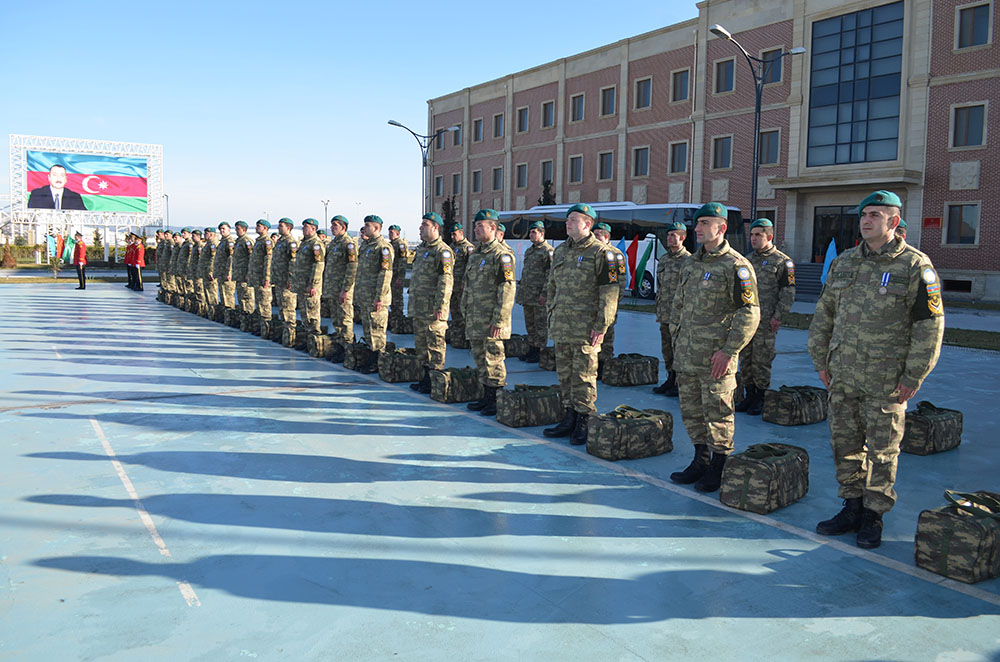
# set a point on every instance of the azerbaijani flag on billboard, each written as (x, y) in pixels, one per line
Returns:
(106, 183)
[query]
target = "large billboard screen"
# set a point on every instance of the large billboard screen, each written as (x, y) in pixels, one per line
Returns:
(86, 182)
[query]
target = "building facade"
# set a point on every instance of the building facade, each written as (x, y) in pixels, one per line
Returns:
(889, 95)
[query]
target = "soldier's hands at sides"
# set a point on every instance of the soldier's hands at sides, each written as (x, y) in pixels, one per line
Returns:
(541, 299)
(343, 296)
(905, 393)
(494, 331)
(596, 338)
(377, 306)
(312, 291)
(437, 315)
(720, 364)
(775, 324)
(824, 377)
(267, 283)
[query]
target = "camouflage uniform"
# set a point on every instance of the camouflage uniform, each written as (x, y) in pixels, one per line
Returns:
(163, 264)
(260, 273)
(197, 298)
(307, 273)
(879, 323)
(338, 276)
(487, 301)
(371, 285)
(668, 276)
(608, 344)
(178, 266)
(223, 271)
(534, 273)
(241, 274)
(399, 263)
(431, 281)
(281, 278)
(462, 250)
(206, 272)
(776, 287)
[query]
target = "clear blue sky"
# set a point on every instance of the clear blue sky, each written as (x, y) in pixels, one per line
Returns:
(273, 106)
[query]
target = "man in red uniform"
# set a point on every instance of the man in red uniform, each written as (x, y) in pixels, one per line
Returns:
(80, 260)
(128, 260)
(138, 261)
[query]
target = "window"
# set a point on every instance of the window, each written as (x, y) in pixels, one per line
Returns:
(439, 186)
(477, 181)
(640, 162)
(607, 101)
(643, 93)
(477, 130)
(678, 158)
(498, 178)
(546, 168)
(973, 27)
(521, 175)
(576, 108)
(575, 169)
(963, 224)
(969, 126)
(724, 76)
(605, 166)
(548, 114)
(522, 119)
(772, 66)
(439, 139)
(457, 136)
(768, 148)
(456, 183)
(679, 86)
(722, 152)
(498, 125)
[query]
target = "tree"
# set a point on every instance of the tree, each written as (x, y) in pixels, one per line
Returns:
(449, 211)
(548, 198)
(8, 257)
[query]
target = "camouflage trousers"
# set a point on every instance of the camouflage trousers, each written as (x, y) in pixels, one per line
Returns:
(166, 282)
(342, 318)
(309, 305)
(245, 297)
(489, 357)
(865, 432)
(536, 324)
(262, 300)
(211, 291)
(227, 292)
(707, 409)
(576, 368)
(396, 308)
(756, 358)
(457, 324)
(608, 344)
(666, 346)
(198, 291)
(374, 325)
(286, 308)
(428, 340)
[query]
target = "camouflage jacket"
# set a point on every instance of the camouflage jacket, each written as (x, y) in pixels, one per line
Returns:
(341, 266)
(191, 269)
(260, 261)
(488, 297)
(281, 261)
(879, 321)
(431, 280)
(400, 258)
(620, 261)
(180, 257)
(162, 256)
(462, 249)
(372, 282)
(307, 271)
(206, 261)
(715, 308)
(241, 258)
(583, 289)
(668, 276)
(223, 267)
(775, 283)
(534, 273)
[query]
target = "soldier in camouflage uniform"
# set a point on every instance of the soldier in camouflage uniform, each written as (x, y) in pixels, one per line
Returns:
(462, 248)
(259, 276)
(430, 297)
(487, 302)
(197, 298)
(307, 275)
(162, 263)
(372, 287)
(602, 231)
(338, 285)
(222, 269)
(281, 278)
(241, 275)
(668, 276)
(901, 229)
(776, 288)
(582, 300)
(178, 267)
(715, 313)
(206, 271)
(874, 339)
(531, 290)
(400, 259)
(501, 231)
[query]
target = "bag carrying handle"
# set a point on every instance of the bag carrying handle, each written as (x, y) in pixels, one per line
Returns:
(977, 505)
(762, 451)
(625, 411)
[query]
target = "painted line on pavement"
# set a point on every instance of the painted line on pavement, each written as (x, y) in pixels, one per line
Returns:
(56, 350)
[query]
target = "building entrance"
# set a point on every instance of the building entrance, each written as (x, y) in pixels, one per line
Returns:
(837, 223)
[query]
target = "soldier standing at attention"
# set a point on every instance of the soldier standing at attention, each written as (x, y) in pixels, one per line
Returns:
(372, 287)
(138, 260)
(714, 316)
(430, 297)
(531, 290)
(178, 267)
(400, 260)
(901, 229)
(668, 276)
(776, 289)
(487, 303)
(602, 232)
(197, 299)
(462, 248)
(501, 231)
(161, 260)
(582, 300)
(206, 271)
(281, 278)
(874, 339)
(307, 276)
(338, 285)
(241, 275)
(223, 271)
(259, 276)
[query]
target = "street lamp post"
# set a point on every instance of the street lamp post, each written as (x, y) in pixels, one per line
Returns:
(759, 68)
(424, 142)
(326, 204)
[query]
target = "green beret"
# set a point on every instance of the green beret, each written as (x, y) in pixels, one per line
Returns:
(716, 209)
(207, 230)
(487, 215)
(340, 219)
(311, 221)
(502, 228)
(762, 223)
(185, 229)
(287, 221)
(242, 224)
(537, 224)
(372, 218)
(677, 225)
(583, 208)
(226, 223)
(434, 217)
(902, 224)
(395, 227)
(266, 224)
(321, 231)
(603, 226)
(196, 231)
(457, 227)
(880, 198)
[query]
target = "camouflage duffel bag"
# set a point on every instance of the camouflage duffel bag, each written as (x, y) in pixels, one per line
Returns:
(516, 346)
(320, 345)
(631, 370)
(456, 340)
(931, 429)
(401, 326)
(765, 477)
(795, 405)
(455, 385)
(629, 434)
(529, 405)
(400, 365)
(277, 328)
(961, 540)
(357, 354)
(547, 358)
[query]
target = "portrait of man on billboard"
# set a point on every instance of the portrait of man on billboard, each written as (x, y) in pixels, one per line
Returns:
(55, 195)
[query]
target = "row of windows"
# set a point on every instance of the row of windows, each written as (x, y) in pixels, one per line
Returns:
(725, 71)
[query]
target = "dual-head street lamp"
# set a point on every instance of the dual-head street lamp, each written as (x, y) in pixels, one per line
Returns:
(759, 68)
(424, 142)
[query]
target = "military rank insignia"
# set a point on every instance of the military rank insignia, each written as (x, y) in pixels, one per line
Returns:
(933, 291)
(550, 254)
(446, 262)
(385, 259)
(621, 264)
(293, 247)
(352, 253)
(791, 272)
(268, 246)
(612, 267)
(507, 264)
(316, 249)
(470, 248)
(746, 285)
(213, 248)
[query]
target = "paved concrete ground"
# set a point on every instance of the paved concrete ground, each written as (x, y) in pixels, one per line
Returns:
(176, 490)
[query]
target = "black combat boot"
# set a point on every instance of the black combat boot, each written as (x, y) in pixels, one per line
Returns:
(337, 355)
(532, 356)
(491, 401)
(425, 377)
(478, 404)
(757, 406)
(372, 365)
(425, 383)
(748, 399)
(565, 427)
(847, 520)
(870, 531)
(579, 436)
(712, 479)
(697, 468)
(600, 370)
(666, 387)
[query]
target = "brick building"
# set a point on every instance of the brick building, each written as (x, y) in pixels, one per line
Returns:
(892, 95)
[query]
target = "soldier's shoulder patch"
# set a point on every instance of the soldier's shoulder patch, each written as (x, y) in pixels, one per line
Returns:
(385, 251)
(507, 266)
(791, 272)
(469, 249)
(743, 273)
(386, 256)
(790, 265)
(929, 276)
(317, 248)
(446, 262)
(551, 252)
(294, 246)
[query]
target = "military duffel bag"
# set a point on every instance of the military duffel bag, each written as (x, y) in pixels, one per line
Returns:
(765, 477)
(629, 434)
(516, 346)
(631, 370)
(277, 328)
(931, 429)
(400, 365)
(961, 540)
(455, 385)
(529, 405)
(401, 326)
(795, 405)
(547, 358)
(456, 340)
(320, 345)
(357, 354)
